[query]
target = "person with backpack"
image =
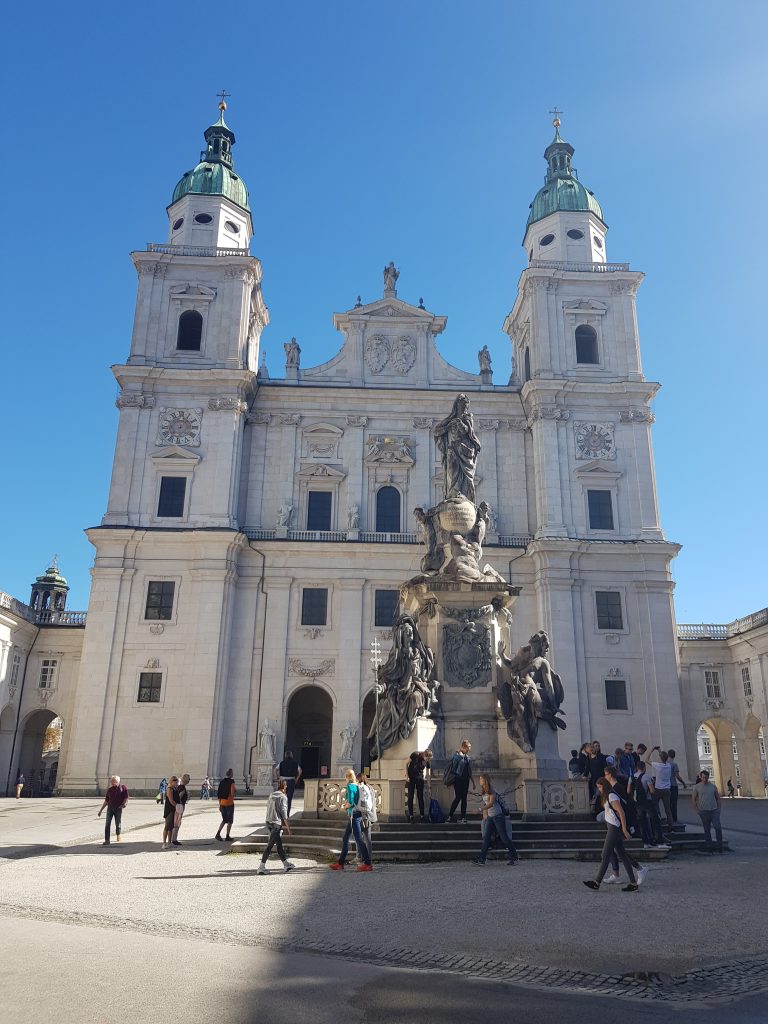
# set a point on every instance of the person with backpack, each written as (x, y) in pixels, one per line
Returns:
(619, 784)
(276, 821)
(459, 775)
(414, 770)
(368, 815)
(354, 827)
(574, 766)
(494, 814)
(226, 795)
(647, 816)
(617, 832)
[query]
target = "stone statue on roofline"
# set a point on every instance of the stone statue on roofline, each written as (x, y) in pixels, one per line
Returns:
(391, 274)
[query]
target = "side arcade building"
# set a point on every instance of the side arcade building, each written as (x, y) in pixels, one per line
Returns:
(258, 530)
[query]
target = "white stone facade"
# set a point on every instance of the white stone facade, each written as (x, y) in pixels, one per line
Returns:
(240, 546)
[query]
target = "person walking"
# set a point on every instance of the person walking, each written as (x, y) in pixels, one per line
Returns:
(169, 810)
(617, 832)
(493, 823)
(277, 821)
(368, 816)
(414, 771)
(354, 814)
(226, 795)
(620, 784)
(290, 770)
(460, 770)
(20, 780)
(160, 798)
(731, 790)
(595, 768)
(205, 789)
(181, 806)
(115, 800)
(677, 782)
(707, 804)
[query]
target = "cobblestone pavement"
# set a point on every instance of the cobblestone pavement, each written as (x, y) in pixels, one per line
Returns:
(525, 927)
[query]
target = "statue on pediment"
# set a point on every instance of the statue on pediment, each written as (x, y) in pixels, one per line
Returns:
(484, 359)
(292, 353)
(391, 274)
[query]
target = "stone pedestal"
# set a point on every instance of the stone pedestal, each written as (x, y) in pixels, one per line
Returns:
(281, 532)
(263, 780)
(393, 760)
(548, 763)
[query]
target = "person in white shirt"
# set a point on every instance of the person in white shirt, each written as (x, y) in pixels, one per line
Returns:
(617, 832)
(661, 773)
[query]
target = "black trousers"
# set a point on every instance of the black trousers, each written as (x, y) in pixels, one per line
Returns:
(674, 793)
(117, 814)
(275, 840)
(418, 786)
(460, 789)
(614, 842)
(290, 790)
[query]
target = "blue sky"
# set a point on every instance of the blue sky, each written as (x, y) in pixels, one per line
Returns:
(406, 131)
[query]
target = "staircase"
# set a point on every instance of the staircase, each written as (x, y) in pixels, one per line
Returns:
(418, 843)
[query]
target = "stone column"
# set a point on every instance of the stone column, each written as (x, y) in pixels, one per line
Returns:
(545, 430)
(272, 684)
(354, 448)
(348, 612)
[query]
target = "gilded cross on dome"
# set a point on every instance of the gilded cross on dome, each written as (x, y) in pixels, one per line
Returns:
(223, 98)
(556, 114)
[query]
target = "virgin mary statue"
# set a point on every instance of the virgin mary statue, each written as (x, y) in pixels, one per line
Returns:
(459, 447)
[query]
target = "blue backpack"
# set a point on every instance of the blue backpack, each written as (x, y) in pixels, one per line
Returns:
(436, 815)
(502, 803)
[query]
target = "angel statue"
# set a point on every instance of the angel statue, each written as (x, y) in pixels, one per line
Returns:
(532, 693)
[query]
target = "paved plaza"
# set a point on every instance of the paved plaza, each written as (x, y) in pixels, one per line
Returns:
(98, 928)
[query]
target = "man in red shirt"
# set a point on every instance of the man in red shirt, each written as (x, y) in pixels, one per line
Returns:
(115, 800)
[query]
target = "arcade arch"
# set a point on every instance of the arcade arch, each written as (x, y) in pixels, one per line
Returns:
(309, 729)
(735, 753)
(39, 747)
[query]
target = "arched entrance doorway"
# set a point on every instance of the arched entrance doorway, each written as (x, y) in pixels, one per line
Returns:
(39, 752)
(719, 751)
(368, 714)
(309, 730)
(7, 727)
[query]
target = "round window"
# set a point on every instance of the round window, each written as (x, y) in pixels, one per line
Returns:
(203, 218)
(598, 241)
(575, 233)
(547, 240)
(231, 226)
(177, 223)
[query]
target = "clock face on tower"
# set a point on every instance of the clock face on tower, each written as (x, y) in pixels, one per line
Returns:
(595, 441)
(180, 426)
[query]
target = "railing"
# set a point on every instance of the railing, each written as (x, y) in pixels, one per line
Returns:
(589, 268)
(515, 541)
(260, 534)
(49, 617)
(333, 535)
(388, 538)
(194, 250)
(65, 618)
(722, 631)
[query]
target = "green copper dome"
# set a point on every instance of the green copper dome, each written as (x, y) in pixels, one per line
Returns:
(562, 189)
(214, 175)
(52, 576)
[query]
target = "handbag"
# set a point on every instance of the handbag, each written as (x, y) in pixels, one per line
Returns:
(449, 775)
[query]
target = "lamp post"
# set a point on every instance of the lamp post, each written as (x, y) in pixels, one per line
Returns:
(375, 663)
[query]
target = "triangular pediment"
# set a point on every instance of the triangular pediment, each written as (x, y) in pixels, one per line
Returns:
(391, 308)
(320, 470)
(173, 451)
(597, 471)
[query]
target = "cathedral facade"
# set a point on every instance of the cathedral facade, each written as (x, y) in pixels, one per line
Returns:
(258, 530)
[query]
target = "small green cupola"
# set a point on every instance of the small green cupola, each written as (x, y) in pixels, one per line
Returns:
(210, 207)
(49, 591)
(564, 211)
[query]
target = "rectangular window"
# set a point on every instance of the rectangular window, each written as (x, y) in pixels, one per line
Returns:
(712, 679)
(150, 684)
(609, 609)
(600, 510)
(616, 695)
(159, 600)
(314, 606)
(746, 681)
(386, 603)
(706, 745)
(319, 510)
(47, 673)
(172, 492)
(15, 665)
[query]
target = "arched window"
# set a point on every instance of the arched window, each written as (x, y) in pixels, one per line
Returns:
(586, 344)
(46, 601)
(388, 510)
(527, 364)
(190, 331)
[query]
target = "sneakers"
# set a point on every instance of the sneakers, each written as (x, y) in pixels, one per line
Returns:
(511, 863)
(218, 838)
(288, 867)
(176, 842)
(611, 879)
(336, 866)
(462, 821)
(105, 843)
(649, 846)
(364, 867)
(166, 846)
(664, 846)
(261, 869)
(631, 887)
(592, 884)
(479, 862)
(452, 819)
(641, 873)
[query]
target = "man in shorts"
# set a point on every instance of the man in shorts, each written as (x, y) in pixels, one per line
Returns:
(226, 795)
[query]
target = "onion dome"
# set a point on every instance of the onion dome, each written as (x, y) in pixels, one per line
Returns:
(214, 175)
